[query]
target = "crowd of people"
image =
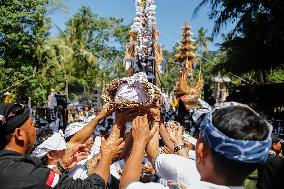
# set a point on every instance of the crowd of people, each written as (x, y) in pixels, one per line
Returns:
(230, 146)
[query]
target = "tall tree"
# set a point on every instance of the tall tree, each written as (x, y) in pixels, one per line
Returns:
(202, 40)
(91, 48)
(23, 28)
(255, 45)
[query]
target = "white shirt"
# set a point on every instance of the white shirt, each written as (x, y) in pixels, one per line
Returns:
(207, 185)
(150, 185)
(197, 185)
(116, 167)
(79, 171)
(177, 168)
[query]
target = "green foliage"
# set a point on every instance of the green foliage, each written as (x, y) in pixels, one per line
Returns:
(171, 73)
(276, 75)
(202, 41)
(87, 54)
(254, 48)
(97, 46)
(23, 28)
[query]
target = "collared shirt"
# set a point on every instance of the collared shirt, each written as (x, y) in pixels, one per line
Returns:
(22, 172)
(196, 185)
(176, 168)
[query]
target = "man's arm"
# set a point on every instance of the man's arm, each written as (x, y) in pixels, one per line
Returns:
(109, 151)
(175, 133)
(82, 136)
(141, 135)
(43, 177)
(166, 138)
(152, 149)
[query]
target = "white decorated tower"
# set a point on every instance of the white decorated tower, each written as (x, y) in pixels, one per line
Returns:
(143, 54)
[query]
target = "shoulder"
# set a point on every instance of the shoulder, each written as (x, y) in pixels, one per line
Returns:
(207, 185)
(19, 164)
(26, 172)
(140, 185)
(275, 162)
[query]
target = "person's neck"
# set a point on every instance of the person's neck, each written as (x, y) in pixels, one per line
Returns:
(221, 180)
(17, 149)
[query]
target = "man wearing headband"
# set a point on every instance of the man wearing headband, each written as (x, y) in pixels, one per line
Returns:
(233, 141)
(18, 170)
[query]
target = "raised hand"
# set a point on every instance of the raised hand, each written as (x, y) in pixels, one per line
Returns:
(73, 154)
(175, 132)
(166, 150)
(141, 132)
(156, 112)
(106, 111)
(111, 149)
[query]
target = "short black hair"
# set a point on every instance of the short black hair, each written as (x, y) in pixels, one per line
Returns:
(240, 123)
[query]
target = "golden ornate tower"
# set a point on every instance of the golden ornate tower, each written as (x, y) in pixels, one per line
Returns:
(188, 89)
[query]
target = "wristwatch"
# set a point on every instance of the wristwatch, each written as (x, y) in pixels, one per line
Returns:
(178, 148)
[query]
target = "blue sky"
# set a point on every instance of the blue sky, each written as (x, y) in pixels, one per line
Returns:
(171, 16)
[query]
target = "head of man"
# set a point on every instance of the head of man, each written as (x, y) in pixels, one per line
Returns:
(51, 147)
(233, 142)
(75, 127)
(276, 144)
(17, 132)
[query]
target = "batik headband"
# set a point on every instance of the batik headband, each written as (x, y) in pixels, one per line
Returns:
(240, 150)
(12, 116)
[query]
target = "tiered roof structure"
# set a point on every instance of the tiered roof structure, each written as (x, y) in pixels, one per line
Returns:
(188, 89)
(143, 54)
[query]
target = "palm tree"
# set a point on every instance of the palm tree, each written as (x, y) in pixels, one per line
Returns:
(64, 50)
(202, 40)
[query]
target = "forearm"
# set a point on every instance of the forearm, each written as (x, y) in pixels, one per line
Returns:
(133, 167)
(103, 168)
(128, 146)
(166, 138)
(152, 149)
(56, 170)
(115, 133)
(82, 136)
(92, 164)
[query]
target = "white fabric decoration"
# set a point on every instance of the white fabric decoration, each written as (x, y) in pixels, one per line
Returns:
(128, 92)
(133, 90)
(55, 142)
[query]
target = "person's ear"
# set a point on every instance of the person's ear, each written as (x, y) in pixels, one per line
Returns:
(202, 151)
(19, 134)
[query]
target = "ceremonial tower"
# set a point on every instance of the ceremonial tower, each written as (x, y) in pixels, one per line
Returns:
(187, 88)
(143, 54)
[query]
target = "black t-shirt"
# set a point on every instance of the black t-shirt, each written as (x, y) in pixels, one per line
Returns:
(271, 173)
(22, 172)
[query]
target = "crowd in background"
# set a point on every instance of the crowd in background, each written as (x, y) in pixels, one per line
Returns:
(228, 146)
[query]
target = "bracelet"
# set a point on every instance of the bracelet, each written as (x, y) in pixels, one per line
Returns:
(86, 168)
(61, 169)
(178, 148)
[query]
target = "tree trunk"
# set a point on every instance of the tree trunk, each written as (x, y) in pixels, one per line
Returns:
(66, 88)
